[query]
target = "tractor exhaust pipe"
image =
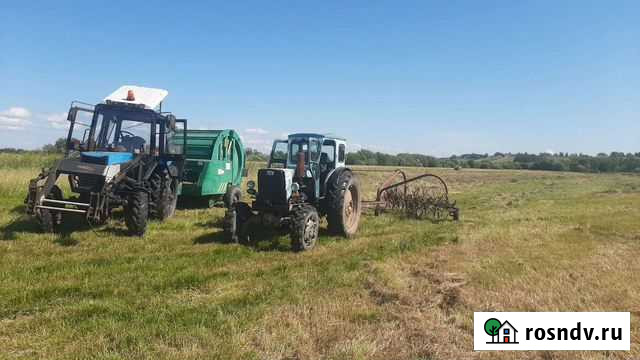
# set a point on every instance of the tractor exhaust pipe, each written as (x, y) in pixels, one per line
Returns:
(300, 165)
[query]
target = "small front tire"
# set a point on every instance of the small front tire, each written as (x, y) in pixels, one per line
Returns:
(50, 220)
(136, 212)
(305, 224)
(234, 221)
(232, 196)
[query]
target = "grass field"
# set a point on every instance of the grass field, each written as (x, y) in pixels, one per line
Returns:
(401, 289)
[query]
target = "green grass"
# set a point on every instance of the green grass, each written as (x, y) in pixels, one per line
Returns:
(180, 292)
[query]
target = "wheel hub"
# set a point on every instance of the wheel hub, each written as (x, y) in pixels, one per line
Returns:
(310, 231)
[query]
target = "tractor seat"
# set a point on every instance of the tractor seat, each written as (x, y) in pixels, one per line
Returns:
(131, 143)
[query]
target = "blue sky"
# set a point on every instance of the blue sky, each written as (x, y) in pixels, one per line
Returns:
(430, 77)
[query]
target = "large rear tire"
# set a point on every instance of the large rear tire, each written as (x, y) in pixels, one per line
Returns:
(136, 212)
(50, 220)
(344, 204)
(305, 223)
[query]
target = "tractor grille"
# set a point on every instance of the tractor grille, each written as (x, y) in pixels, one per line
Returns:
(90, 183)
(272, 187)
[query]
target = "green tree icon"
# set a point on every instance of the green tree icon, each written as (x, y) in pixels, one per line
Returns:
(491, 327)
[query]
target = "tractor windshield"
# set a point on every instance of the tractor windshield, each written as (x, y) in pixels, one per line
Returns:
(310, 146)
(120, 131)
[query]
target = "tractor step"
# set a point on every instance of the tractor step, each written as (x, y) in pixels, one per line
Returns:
(61, 209)
(65, 202)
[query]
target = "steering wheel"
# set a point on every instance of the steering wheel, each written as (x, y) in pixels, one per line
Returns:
(128, 133)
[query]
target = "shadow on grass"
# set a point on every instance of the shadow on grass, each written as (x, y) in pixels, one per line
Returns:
(262, 239)
(212, 238)
(70, 224)
(20, 209)
(213, 223)
(202, 203)
(66, 240)
(278, 239)
(18, 225)
(26, 224)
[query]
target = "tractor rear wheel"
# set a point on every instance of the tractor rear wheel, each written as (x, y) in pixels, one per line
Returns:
(305, 223)
(50, 220)
(136, 212)
(344, 204)
(164, 196)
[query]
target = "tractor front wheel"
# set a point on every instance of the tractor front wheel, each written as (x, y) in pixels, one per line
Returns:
(344, 206)
(50, 220)
(305, 223)
(136, 212)
(234, 222)
(232, 196)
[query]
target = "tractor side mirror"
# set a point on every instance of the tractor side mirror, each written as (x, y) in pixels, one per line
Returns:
(71, 116)
(172, 123)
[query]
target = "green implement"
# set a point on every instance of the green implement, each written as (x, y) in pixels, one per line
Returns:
(215, 162)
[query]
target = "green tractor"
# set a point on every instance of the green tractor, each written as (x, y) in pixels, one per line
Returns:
(306, 179)
(119, 154)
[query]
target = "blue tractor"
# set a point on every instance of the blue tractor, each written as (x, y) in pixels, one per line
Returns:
(120, 153)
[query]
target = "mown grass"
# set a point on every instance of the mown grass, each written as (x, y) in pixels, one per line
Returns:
(401, 289)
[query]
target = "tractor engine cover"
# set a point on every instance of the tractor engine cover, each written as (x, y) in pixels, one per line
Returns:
(274, 186)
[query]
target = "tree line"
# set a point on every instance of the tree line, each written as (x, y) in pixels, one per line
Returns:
(612, 162)
(600, 163)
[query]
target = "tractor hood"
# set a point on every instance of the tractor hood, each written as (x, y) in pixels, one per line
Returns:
(105, 157)
(274, 186)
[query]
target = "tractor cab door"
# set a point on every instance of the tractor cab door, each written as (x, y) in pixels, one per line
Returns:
(327, 158)
(341, 158)
(79, 118)
(279, 151)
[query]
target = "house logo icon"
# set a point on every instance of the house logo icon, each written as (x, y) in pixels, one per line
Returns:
(501, 333)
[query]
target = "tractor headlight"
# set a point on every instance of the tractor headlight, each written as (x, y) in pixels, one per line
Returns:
(251, 184)
(295, 187)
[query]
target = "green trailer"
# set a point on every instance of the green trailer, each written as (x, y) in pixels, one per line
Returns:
(215, 163)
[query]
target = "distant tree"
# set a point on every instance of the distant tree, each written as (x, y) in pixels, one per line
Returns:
(58, 146)
(255, 155)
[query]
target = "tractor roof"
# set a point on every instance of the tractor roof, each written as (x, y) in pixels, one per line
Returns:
(150, 98)
(328, 136)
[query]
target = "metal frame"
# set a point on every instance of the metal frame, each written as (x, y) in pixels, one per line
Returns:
(388, 184)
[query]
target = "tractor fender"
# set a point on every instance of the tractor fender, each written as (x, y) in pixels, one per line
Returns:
(150, 170)
(333, 176)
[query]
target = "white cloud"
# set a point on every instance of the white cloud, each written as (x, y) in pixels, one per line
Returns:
(258, 131)
(15, 118)
(258, 139)
(57, 120)
(354, 147)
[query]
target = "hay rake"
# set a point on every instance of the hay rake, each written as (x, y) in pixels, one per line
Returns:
(427, 199)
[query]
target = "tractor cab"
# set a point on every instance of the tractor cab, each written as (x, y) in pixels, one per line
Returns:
(119, 153)
(306, 179)
(124, 126)
(301, 164)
